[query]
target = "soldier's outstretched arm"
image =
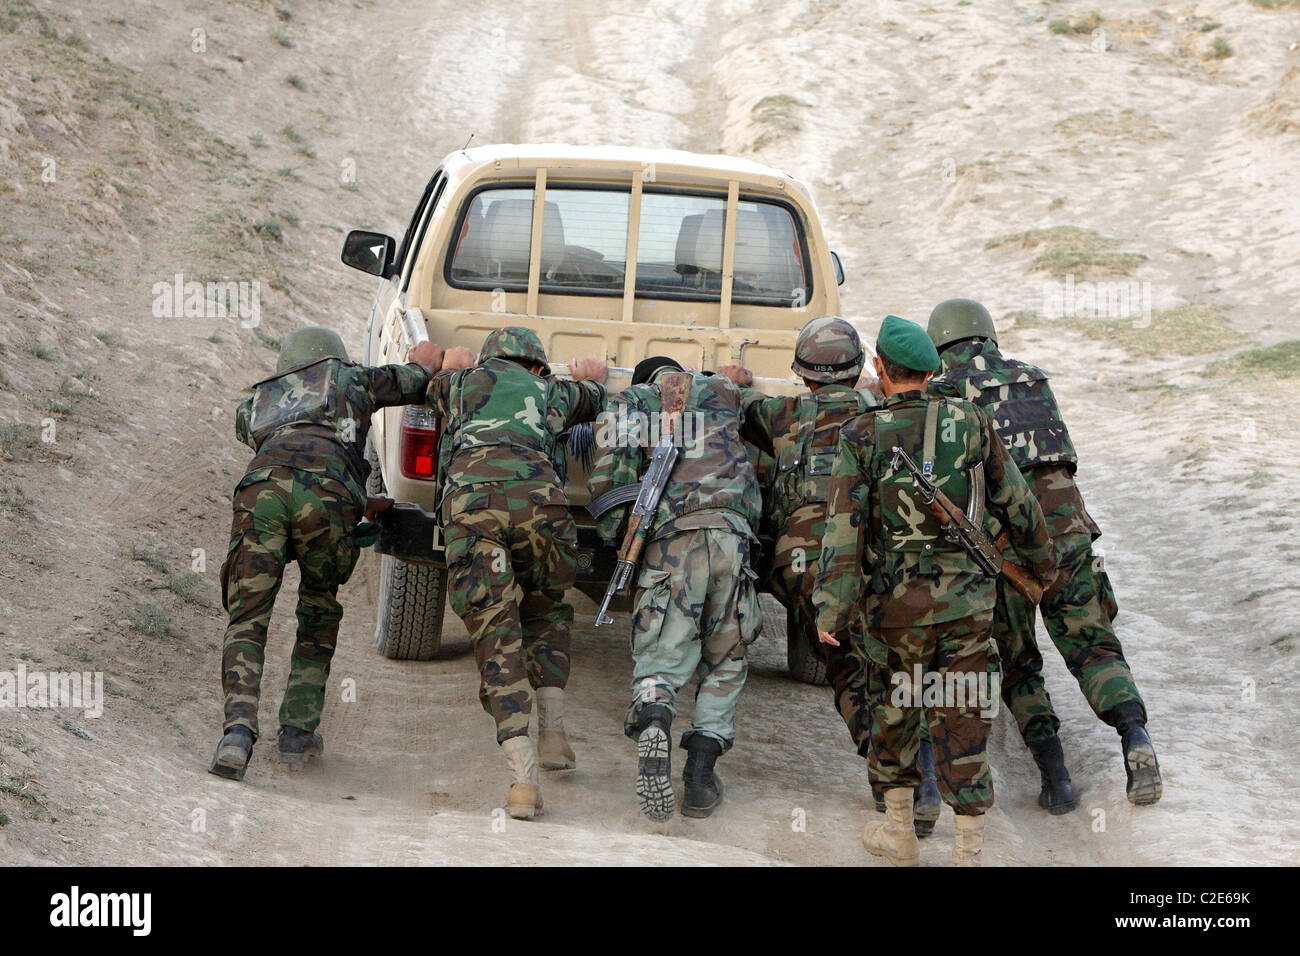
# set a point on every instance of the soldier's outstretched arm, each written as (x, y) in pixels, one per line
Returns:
(400, 384)
(583, 398)
(243, 415)
(1013, 503)
(760, 418)
(839, 566)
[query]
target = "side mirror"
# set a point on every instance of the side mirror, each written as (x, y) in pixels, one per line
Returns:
(839, 269)
(371, 252)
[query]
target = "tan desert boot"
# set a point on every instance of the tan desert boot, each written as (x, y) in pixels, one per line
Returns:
(552, 746)
(970, 840)
(525, 798)
(892, 836)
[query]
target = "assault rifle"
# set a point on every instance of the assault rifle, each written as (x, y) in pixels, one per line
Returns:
(674, 387)
(957, 526)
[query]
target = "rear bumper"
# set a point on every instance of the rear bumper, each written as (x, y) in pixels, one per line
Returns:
(409, 533)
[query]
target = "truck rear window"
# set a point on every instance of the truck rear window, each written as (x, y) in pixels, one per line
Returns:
(584, 245)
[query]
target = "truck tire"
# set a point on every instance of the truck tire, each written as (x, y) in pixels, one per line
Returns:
(803, 663)
(412, 597)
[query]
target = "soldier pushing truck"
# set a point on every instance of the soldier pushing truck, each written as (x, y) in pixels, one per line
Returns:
(902, 520)
(910, 522)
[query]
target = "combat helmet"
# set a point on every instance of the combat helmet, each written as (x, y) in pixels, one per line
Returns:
(955, 319)
(305, 346)
(828, 350)
(515, 342)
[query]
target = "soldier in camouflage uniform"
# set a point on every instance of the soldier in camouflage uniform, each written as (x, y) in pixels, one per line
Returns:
(302, 498)
(696, 601)
(931, 608)
(511, 543)
(802, 432)
(1079, 610)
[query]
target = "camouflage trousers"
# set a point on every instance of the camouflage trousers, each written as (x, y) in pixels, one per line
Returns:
(846, 665)
(696, 612)
(282, 515)
(509, 562)
(959, 729)
(1077, 612)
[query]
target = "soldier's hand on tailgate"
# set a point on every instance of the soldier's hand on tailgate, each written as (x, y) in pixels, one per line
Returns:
(457, 358)
(426, 354)
(589, 370)
(826, 637)
(738, 374)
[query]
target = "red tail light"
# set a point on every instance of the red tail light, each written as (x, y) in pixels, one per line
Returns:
(419, 443)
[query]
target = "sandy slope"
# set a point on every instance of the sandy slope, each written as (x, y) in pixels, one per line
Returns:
(925, 130)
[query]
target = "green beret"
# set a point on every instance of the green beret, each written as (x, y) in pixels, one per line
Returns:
(907, 344)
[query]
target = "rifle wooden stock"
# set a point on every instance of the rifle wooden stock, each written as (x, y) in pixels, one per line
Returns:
(632, 542)
(1018, 576)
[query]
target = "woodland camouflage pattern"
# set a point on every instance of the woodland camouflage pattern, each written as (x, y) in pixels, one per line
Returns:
(334, 444)
(510, 558)
(929, 606)
(1015, 396)
(301, 499)
(696, 604)
(511, 543)
(802, 433)
(713, 484)
(959, 733)
(503, 423)
(282, 514)
(1079, 609)
(828, 350)
(915, 576)
(696, 612)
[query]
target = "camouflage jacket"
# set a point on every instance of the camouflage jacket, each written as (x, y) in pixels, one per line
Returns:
(326, 433)
(713, 483)
(503, 424)
(1019, 401)
(802, 434)
(881, 541)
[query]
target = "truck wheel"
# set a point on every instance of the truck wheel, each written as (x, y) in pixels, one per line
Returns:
(803, 663)
(412, 599)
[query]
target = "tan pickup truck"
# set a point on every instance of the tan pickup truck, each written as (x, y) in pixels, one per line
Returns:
(602, 251)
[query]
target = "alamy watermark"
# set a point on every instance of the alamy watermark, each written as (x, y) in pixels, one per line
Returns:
(931, 689)
(181, 299)
(1125, 299)
(626, 428)
(81, 690)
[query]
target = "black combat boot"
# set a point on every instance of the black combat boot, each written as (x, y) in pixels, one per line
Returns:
(703, 787)
(233, 751)
(1057, 796)
(654, 782)
(927, 802)
(878, 798)
(299, 746)
(1140, 764)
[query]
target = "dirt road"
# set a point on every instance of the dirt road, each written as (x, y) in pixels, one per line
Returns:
(928, 135)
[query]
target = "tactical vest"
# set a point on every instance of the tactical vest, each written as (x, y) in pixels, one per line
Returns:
(499, 403)
(302, 396)
(1019, 401)
(803, 467)
(713, 470)
(943, 438)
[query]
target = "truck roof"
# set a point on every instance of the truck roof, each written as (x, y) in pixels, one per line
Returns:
(672, 162)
